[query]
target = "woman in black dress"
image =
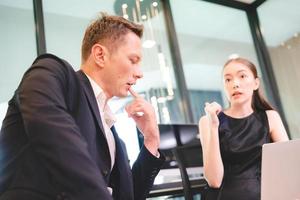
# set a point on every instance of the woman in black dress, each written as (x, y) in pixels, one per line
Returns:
(232, 139)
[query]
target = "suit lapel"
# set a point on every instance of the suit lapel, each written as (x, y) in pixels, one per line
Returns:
(88, 90)
(125, 188)
(90, 96)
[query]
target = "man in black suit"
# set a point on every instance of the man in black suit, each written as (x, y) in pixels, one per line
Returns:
(58, 141)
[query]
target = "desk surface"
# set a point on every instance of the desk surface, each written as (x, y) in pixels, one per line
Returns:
(169, 182)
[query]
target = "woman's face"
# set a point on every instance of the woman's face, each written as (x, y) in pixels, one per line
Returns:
(239, 83)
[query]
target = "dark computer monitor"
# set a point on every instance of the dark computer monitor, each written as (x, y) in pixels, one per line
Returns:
(172, 135)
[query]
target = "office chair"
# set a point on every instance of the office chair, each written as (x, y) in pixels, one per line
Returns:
(190, 156)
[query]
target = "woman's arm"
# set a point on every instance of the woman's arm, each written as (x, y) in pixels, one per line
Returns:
(209, 138)
(277, 130)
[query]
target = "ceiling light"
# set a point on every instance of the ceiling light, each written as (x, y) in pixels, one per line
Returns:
(161, 99)
(144, 17)
(233, 56)
(148, 44)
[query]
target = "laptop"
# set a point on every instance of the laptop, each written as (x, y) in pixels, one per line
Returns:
(280, 178)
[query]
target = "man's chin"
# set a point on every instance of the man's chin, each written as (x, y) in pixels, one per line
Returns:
(122, 95)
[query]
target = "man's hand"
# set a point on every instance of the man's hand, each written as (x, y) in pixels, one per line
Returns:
(143, 114)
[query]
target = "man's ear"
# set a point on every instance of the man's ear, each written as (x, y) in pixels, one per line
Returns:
(257, 83)
(99, 54)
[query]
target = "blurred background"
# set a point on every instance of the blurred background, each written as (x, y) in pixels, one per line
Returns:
(185, 44)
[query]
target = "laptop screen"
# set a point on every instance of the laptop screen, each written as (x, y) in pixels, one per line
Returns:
(281, 171)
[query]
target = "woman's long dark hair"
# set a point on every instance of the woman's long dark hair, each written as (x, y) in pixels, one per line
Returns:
(258, 101)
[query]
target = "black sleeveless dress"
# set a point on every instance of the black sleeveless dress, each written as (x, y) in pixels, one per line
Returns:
(241, 143)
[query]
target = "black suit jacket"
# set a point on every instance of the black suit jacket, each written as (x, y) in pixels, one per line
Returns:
(52, 144)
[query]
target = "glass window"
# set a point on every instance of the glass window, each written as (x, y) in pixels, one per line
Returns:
(208, 35)
(279, 22)
(18, 46)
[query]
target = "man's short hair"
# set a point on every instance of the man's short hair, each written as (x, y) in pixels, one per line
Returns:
(107, 30)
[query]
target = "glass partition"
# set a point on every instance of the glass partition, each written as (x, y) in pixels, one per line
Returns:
(279, 22)
(209, 34)
(18, 47)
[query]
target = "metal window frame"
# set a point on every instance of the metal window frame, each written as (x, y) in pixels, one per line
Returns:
(177, 63)
(39, 27)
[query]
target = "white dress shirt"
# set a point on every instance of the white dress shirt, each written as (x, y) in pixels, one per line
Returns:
(107, 117)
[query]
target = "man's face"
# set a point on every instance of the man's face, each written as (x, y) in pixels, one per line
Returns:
(122, 66)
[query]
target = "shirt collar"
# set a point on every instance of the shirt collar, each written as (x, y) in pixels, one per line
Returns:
(99, 93)
(101, 98)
